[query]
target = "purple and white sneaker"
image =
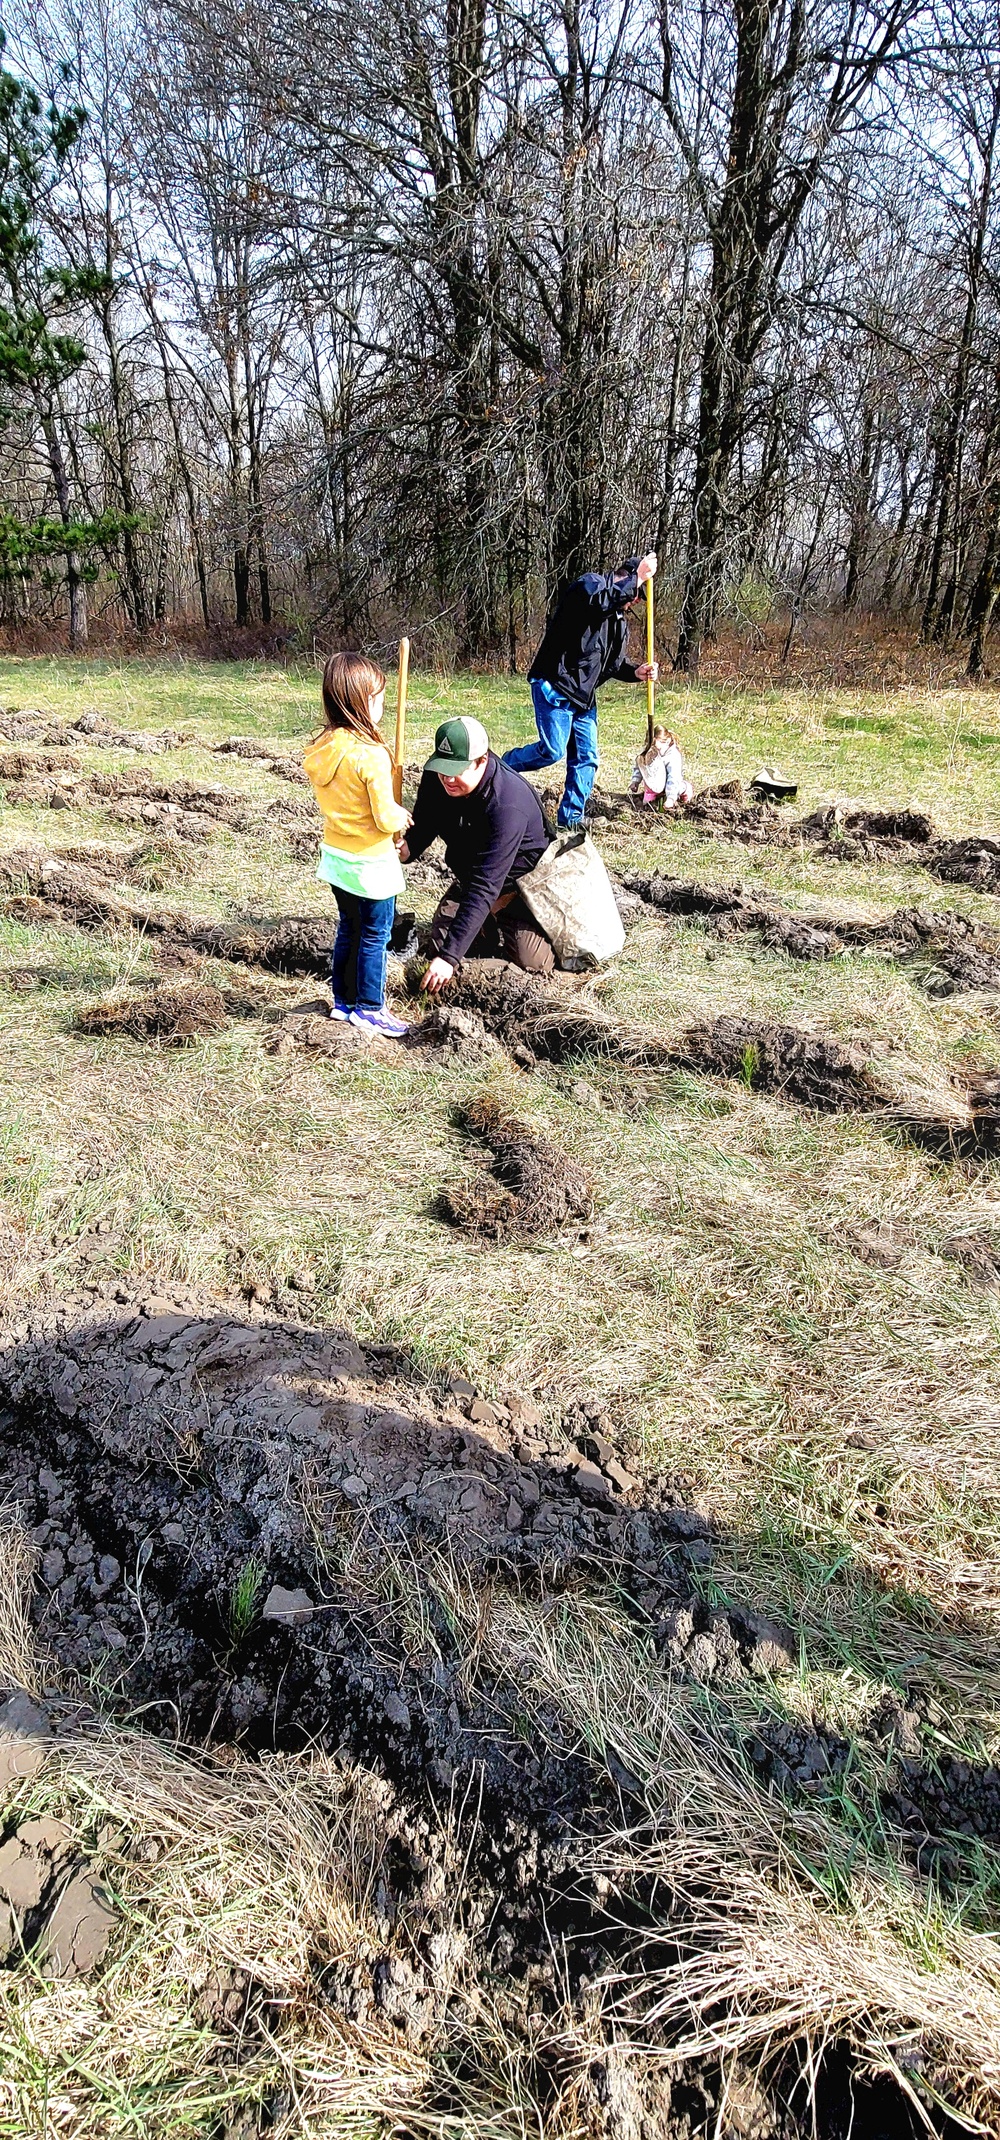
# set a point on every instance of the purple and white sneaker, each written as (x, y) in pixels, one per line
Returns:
(340, 1010)
(379, 1022)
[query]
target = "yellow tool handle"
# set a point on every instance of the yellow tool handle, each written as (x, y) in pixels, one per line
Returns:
(397, 754)
(650, 657)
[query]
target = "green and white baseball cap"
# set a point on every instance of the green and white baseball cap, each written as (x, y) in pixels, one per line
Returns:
(457, 744)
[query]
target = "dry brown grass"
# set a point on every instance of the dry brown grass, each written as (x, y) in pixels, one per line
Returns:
(18, 1663)
(838, 1412)
(254, 1876)
(789, 1933)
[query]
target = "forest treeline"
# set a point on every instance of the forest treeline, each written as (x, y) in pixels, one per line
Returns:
(328, 316)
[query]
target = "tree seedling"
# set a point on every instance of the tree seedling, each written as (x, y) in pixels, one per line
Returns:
(244, 1600)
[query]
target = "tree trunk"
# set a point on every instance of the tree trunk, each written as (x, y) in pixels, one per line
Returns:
(76, 588)
(935, 621)
(241, 583)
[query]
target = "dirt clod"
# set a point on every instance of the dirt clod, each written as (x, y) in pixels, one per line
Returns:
(536, 1189)
(947, 951)
(458, 1035)
(75, 1937)
(553, 1020)
(172, 1011)
(24, 1739)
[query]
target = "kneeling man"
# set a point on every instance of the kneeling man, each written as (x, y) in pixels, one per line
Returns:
(493, 831)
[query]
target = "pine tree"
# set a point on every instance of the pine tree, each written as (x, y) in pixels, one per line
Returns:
(39, 352)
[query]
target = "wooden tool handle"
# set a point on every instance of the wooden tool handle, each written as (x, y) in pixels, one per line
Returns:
(397, 754)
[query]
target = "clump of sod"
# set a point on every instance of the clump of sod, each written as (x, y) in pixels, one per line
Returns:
(555, 1019)
(536, 1187)
(175, 1012)
(766, 1057)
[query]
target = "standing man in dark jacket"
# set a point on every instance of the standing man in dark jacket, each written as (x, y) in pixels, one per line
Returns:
(493, 831)
(583, 647)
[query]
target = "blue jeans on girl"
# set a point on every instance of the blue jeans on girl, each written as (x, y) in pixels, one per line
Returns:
(563, 732)
(360, 950)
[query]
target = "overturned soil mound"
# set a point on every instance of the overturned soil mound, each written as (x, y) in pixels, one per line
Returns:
(159, 1455)
(536, 1189)
(845, 834)
(553, 1020)
(962, 1122)
(765, 1057)
(43, 887)
(18, 765)
(460, 1036)
(445, 1035)
(229, 1519)
(174, 1012)
(966, 1127)
(31, 725)
(308, 1029)
(256, 753)
(232, 1521)
(949, 951)
(974, 861)
(188, 809)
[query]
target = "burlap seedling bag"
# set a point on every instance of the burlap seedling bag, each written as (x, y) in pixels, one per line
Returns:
(569, 893)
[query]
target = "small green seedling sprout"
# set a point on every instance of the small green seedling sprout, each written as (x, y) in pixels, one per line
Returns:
(749, 1064)
(244, 1599)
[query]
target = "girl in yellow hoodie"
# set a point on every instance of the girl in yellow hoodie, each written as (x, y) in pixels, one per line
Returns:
(350, 767)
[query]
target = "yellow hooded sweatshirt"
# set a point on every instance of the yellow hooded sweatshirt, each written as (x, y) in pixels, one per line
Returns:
(353, 783)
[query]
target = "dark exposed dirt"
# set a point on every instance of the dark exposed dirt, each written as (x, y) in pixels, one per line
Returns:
(949, 951)
(45, 888)
(158, 1455)
(284, 766)
(175, 1012)
(551, 1020)
(847, 835)
(536, 1189)
(974, 861)
(817, 1071)
(18, 765)
(189, 809)
(31, 725)
(943, 1809)
(808, 1067)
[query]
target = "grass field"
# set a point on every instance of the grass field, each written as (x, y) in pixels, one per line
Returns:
(834, 1408)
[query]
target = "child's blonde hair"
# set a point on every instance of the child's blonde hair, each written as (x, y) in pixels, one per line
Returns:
(660, 735)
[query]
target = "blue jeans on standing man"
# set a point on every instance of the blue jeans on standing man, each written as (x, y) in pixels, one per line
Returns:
(563, 732)
(360, 950)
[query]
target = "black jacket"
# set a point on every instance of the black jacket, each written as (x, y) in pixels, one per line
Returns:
(491, 838)
(585, 635)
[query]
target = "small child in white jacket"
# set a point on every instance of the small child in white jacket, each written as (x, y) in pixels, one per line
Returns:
(659, 772)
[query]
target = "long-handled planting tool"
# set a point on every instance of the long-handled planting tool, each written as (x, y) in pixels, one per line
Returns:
(397, 754)
(650, 686)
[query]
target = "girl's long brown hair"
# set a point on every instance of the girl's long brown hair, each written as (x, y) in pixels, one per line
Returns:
(349, 681)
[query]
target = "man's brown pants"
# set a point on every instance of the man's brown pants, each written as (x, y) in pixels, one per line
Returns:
(510, 932)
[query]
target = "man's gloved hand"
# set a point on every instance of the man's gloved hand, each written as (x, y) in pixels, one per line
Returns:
(438, 975)
(645, 669)
(646, 567)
